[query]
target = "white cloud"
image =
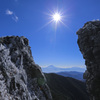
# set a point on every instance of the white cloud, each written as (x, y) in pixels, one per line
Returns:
(11, 13)
(15, 18)
(8, 12)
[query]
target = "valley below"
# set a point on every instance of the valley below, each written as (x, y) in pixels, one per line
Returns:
(66, 88)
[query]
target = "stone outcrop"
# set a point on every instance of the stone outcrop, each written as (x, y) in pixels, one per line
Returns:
(20, 77)
(89, 44)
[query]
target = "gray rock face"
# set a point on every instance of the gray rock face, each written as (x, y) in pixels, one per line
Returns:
(20, 77)
(89, 44)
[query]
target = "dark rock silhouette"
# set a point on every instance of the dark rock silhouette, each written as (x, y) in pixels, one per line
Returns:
(20, 77)
(89, 44)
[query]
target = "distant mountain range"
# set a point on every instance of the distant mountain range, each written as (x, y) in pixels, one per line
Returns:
(53, 69)
(66, 88)
(73, 74)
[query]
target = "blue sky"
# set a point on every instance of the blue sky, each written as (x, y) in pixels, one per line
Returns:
(49, 46)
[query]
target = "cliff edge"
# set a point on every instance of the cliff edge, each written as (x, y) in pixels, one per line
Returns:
(20, 77)
(89, 44)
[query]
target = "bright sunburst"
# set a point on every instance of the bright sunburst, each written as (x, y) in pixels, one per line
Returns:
(57, 17)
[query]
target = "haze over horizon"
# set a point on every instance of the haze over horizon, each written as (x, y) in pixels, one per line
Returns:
(54, 69)
(49, 45)
(60, 66)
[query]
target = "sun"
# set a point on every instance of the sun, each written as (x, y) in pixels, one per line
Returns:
(56, 17)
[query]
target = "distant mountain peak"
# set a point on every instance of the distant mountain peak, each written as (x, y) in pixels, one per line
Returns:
(52, 68)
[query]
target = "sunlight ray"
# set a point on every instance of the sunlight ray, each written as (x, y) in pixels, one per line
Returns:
(66, 26)
(45, 25)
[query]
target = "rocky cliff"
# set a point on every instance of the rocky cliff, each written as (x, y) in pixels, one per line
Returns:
(20, 77)
(89, 44)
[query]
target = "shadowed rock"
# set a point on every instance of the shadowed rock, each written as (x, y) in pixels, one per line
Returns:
(20, 77)
(89, 44)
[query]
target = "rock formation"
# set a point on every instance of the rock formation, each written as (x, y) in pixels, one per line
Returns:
(89, 44)
(20, 77)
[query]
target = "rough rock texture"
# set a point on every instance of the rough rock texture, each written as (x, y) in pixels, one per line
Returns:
(89, 44)
(20, 77)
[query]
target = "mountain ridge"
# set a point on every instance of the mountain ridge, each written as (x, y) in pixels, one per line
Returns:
(73, 74)
(54, 69)
(65, 88)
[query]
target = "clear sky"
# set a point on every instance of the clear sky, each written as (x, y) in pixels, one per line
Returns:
(49, 46)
